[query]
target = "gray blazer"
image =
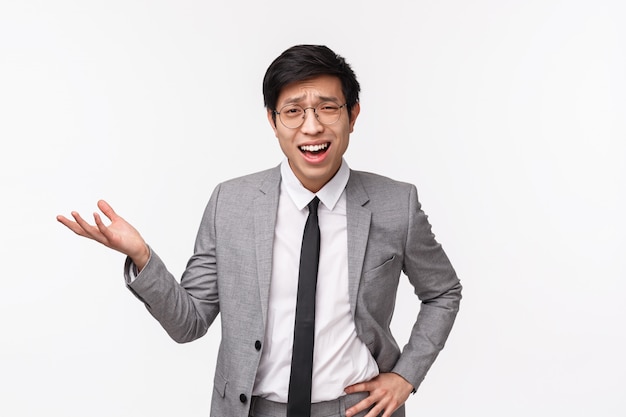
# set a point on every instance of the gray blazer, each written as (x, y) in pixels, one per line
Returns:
(229, 273)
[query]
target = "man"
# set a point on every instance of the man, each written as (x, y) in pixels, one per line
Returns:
(252, 263)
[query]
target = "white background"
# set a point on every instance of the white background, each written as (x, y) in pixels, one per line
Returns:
(509, 116)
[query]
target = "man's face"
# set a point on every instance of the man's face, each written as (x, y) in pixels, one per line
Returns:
(314, 150)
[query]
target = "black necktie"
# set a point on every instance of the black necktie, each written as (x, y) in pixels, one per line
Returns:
(299, 397)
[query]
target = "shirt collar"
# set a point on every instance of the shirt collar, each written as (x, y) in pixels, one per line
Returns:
(329, 194)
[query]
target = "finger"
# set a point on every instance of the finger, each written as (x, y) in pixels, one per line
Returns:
(360, 387)
(89, 230)
(387, 404)
(375, 411)
(101, 227)
(73, 226)
(364, 404)
(383, 407)
(107, 210)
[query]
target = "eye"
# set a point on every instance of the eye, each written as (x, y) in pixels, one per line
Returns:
(291, 111)
(328, 108)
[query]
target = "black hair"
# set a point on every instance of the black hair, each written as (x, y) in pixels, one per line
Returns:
(302, 62)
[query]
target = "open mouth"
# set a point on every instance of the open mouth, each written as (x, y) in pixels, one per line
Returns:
(314, 149)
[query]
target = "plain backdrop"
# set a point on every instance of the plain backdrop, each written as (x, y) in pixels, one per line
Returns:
(509, 116)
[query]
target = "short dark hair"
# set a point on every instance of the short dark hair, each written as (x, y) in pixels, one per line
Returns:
(302, 62)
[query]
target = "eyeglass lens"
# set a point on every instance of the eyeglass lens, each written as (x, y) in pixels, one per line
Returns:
(292, 115)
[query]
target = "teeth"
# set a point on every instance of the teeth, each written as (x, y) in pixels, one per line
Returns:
(314, 148)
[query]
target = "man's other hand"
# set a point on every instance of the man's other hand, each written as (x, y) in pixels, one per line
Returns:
(387, 392)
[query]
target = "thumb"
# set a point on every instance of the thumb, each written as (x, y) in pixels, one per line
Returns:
(107, 209)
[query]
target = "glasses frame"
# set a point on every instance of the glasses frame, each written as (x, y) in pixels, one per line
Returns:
(304, 109)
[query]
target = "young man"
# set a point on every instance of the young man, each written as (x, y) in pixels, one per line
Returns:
(305, 325)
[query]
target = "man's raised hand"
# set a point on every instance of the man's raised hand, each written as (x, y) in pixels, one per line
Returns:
(119, 235)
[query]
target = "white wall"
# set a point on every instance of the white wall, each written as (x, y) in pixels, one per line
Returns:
(508, 115)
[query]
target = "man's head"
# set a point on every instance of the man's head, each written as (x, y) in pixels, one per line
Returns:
(312, 100)
(302, 62)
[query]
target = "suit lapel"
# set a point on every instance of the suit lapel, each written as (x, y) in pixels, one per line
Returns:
(359, 219)
(265, 209)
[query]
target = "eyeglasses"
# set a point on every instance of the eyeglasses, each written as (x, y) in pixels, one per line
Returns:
(292, 115)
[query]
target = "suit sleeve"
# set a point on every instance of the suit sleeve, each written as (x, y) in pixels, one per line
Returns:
(185, 309)
(437, 286)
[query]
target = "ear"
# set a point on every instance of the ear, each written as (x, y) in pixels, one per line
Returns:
(353, 115)
(270, 118)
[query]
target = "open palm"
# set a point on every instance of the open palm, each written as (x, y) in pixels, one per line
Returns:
(118, 235)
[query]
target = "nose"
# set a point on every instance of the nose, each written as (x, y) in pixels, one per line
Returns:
(311, 124)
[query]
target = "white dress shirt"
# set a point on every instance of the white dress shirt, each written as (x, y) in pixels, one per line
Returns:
(340, 358)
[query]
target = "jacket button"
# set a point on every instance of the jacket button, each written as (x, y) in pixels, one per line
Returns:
(257, 345)
(243, 398)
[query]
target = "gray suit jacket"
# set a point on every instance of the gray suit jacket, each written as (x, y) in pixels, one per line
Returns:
(229, 273)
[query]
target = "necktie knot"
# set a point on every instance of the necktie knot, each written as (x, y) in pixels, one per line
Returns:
(313, 204)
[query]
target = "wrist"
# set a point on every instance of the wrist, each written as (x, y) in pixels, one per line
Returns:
(141, 259)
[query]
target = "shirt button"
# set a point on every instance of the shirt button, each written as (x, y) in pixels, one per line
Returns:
(257, 345)
(243, 398)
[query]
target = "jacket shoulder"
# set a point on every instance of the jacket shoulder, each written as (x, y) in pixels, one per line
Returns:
(256, 179)
(376, 183)
(251, 185)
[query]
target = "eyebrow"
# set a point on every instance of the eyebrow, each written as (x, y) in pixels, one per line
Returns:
(298, 99)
